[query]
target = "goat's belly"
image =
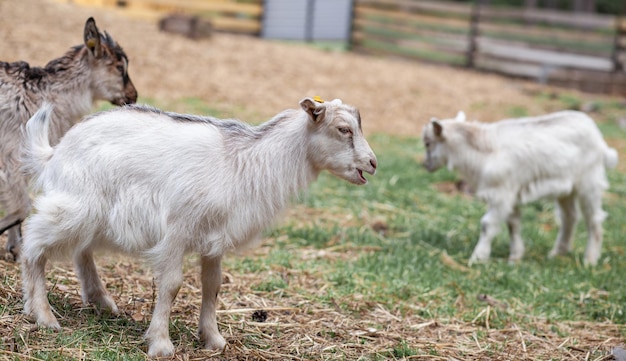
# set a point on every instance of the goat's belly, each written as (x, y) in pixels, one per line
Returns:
(546, 188)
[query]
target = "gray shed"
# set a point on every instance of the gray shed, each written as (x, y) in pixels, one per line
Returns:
(307, 20)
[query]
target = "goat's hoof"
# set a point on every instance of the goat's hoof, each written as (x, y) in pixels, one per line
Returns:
(163, 348)
(12, 254)
(591, 257)
(216, 343)
(514, 261)
(557, 252)
(105, 303)
(50, 323)
(474, 259)
(590, 261)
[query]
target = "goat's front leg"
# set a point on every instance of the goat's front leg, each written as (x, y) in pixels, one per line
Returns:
(211, 283)
(169, 276)
(489, 227)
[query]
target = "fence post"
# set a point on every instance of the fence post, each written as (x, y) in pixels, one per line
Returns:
(473, 34)
(351, 29)
(308, 30)
(619, 39)
(620, 33)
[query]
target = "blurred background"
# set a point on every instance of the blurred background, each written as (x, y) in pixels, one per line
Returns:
(401, 62)
(576, 43)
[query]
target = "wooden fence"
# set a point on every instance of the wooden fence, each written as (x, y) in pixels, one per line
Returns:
(583, 51)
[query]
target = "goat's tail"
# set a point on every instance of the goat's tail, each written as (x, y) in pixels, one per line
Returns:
(37, 149)
(610, 157)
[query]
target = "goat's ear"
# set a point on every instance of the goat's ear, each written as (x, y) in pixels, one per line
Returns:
(437, 128)
(92, 38)
(460, 116)
(316, 110)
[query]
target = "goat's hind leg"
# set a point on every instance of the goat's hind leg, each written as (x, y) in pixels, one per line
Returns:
(46, 234)
(34, 285)
(12, 224)
(14, 241)
(16, 204)
(514, 222)
(591, 207)
(93, 291)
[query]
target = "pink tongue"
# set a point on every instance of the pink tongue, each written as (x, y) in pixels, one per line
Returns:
(361, 175)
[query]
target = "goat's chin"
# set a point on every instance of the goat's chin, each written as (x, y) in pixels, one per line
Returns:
(355, 176)
(431, 168)
(122, 101)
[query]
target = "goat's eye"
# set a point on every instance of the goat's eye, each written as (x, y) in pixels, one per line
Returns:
(344, 130)
(120, 68)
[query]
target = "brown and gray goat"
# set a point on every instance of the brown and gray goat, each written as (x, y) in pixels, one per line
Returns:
(97, 70)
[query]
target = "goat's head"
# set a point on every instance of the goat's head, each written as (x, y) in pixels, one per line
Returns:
(435, 142)
(109, 66)
(337, 141)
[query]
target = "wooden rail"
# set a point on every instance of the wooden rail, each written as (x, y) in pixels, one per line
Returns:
(584, 51)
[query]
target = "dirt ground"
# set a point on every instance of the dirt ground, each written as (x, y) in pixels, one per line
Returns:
(237, 72)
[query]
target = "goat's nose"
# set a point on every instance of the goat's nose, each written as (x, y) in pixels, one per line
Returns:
(373, 162)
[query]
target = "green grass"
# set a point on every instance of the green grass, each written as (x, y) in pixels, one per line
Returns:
(407, 270)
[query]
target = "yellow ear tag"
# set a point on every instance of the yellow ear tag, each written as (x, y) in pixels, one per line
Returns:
(91, 43)
(318, 99)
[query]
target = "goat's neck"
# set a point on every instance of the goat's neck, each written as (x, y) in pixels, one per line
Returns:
(468, 151)
(275, 165)
(68, 87)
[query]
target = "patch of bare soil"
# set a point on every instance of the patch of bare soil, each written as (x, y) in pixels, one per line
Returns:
(253, 79)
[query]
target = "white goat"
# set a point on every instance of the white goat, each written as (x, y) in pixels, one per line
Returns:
(159, 184)
(561, 156)
(86, 73)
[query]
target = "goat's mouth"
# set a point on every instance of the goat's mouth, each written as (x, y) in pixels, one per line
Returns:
(361, 178)
(431, 168)
(123, 101)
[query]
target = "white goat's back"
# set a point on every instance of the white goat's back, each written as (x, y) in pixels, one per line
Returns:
(222, 181)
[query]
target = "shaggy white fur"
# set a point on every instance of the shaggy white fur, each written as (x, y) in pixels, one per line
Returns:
(508, 163)
(160, 185)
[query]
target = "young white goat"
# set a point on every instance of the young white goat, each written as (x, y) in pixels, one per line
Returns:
(160, 185)
(508, 163)
(94, 71)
